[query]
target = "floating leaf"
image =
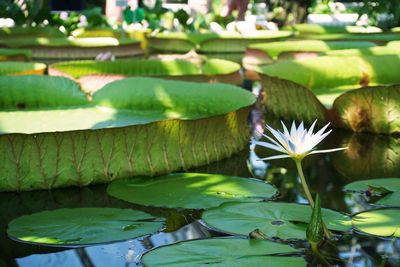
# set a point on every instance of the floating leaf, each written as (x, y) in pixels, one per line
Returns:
(377, 50)
(322, 29)
(383, 185)
(21, 68)
(379, 38)
(74, 48)
(321, 78)
(189, 190)
(384, 222)
(93, 75)
(369, 109)
(222, 252)
(266, 53)
(225, 42)
(135, 126)
(14, 54)
(82, 226)
(282, 220)
(24, 32)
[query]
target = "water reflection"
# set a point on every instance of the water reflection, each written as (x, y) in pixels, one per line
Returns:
(368, 156)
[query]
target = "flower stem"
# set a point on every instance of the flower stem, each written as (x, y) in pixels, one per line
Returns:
(304, 183)
(308, 194)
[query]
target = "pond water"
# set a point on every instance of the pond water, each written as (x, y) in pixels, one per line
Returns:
(369, 156)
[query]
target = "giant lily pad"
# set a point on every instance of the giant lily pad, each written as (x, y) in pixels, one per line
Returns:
(21, 68)
(378, 38)
(53, 49)
(189, 190)
(394, 44)
(24, 32)
(319, 81)
(14, 54)
(225, 42)
(222, 252)
(82, 226)
(322, 29)
(93, 75)
(282, 220)
(135, 126)
(385, 185)
(368, 156)
(267, 53)
(377, 50)
(383, 222)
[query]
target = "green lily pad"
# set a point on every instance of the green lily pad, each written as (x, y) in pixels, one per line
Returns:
(225, 42)
(384, 185)
(321, 29)
(44, 48)
(320, 81)
(369, 109)
(20, 68)
(135, 126)
(93, 75)
(393, 44)
(82, 226)
(388, 184)
(384, 222)
(189, 190)
(14, 54)
(275, 49)
(379, 38)
(24, 32)
(376, 51)
(282, 220)
(222, 252)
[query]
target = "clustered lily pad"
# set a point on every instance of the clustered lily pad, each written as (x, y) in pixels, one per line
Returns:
(281, 220)
(21, 68)
(211, 42)
(135, 126)
(388, 186)
(82, 226)
(318, 88)
(189, 190)
(267, 53)
(304, 29)
(62, 48)
(93, 75)
(14, 54)
(382, 222)
(222, 252)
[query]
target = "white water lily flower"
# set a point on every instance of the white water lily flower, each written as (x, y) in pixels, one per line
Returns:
(296, 144)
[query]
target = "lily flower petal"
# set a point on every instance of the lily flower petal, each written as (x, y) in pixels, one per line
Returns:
(276, 157)
(296, 143)
(269, 145)
(328, 150)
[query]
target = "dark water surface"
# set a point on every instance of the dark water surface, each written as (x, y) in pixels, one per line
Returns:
(369, 156)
